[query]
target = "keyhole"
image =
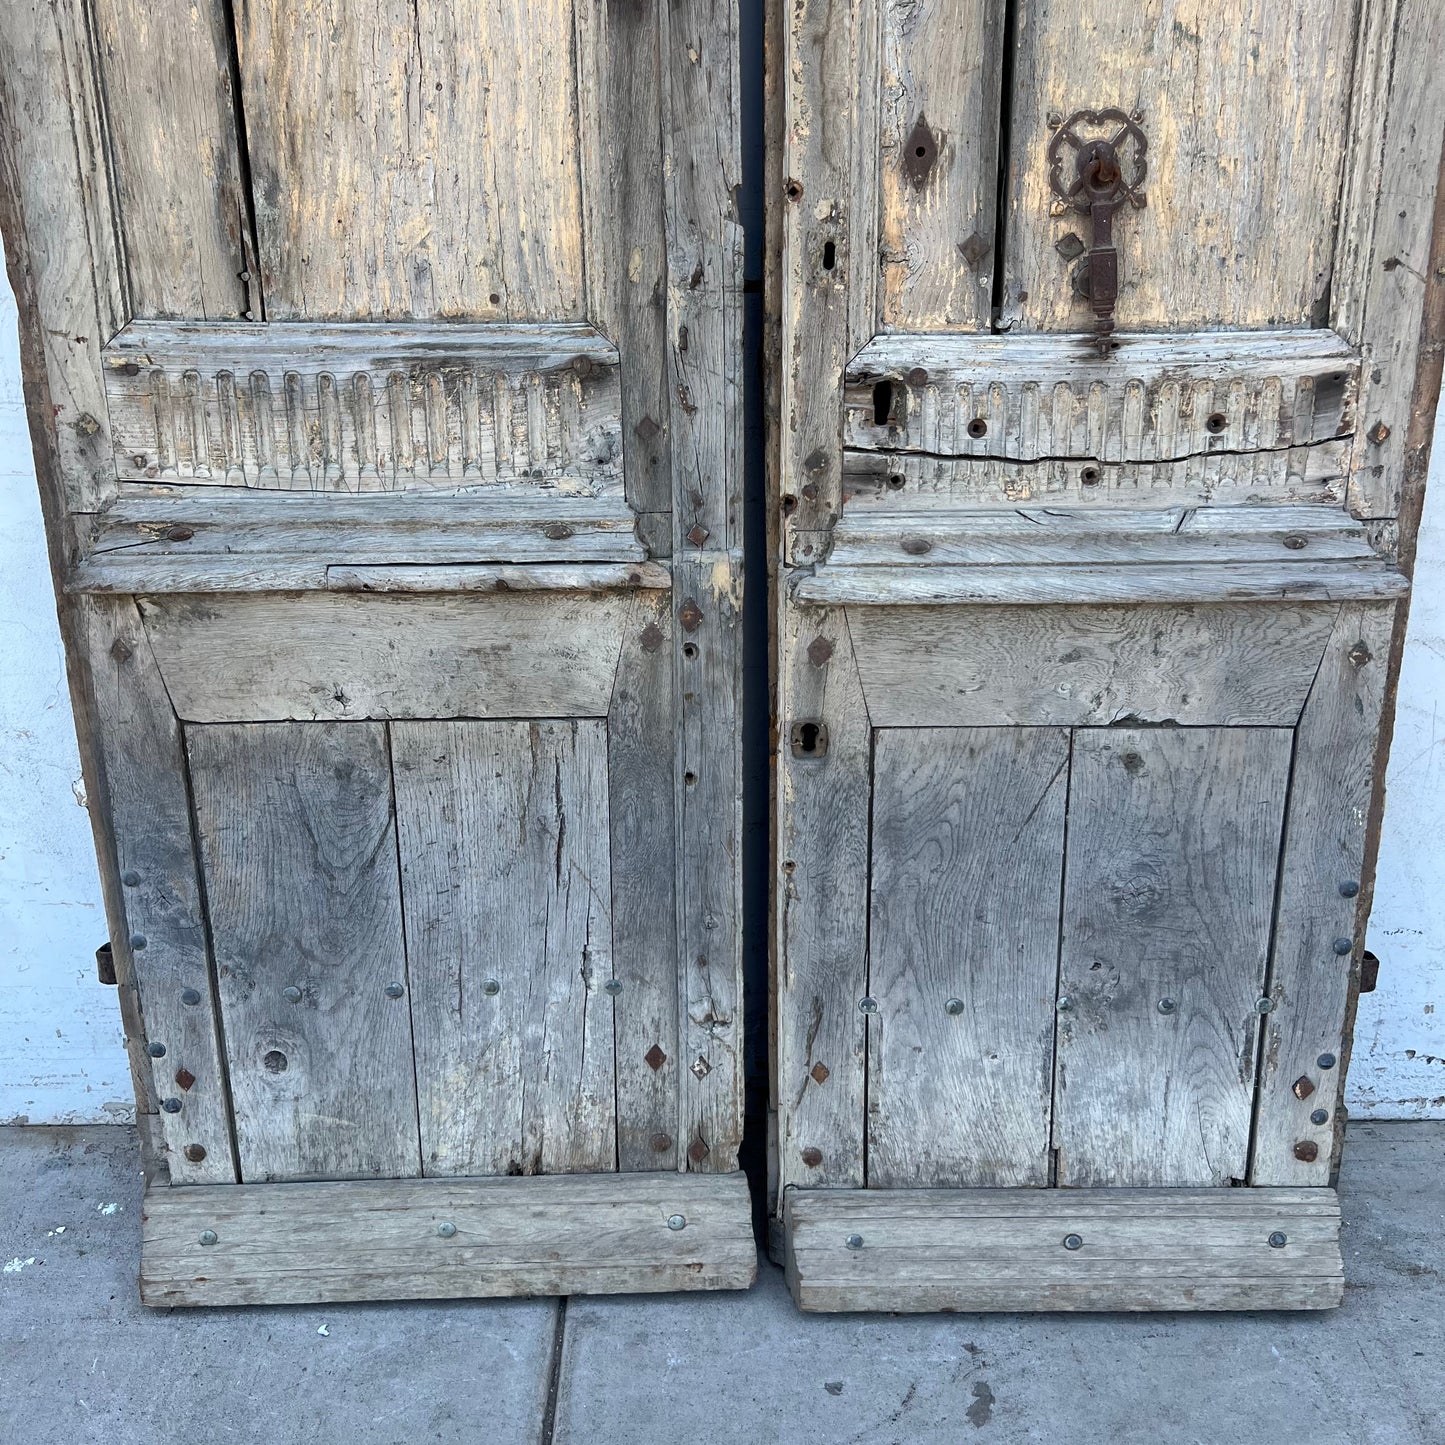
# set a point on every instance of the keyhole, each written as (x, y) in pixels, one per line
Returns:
(830, 255)
(809, 738)
(883, 403)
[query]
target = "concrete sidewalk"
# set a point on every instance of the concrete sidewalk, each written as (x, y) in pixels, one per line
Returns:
(82, 1362)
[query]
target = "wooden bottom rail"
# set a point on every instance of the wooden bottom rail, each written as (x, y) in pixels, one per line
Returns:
(446, 1238)
(1063, 1249)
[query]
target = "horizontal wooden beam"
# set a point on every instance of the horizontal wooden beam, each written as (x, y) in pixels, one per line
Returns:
(1036, 586)
(446, 1238)
(1063, 1249)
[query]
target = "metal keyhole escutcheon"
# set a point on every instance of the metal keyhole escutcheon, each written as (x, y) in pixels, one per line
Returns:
(1097, 163)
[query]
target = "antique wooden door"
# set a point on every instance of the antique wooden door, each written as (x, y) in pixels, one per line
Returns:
(1098, 329)
(383, 357)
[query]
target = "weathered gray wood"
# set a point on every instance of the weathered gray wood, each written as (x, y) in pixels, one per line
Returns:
(1169, 885)
(1246, 107)
(1055, 536)
(627, 245)
(1319, 902)
(967, 850)
(642, 810)
(298, 844)
(830, 78)
(60, 246)
(183, 212)
(1389, 218)
(507, 899)
(445, 181)
(1310, 474)
(381, 1239)
(337, 655)
(1280, 581)
(707, 623)
(1190, 665)
(162, 947)
(986, 1249)
(574, 577)
(822, 906)
(938, 176)
(1151, 399)
(366, 407)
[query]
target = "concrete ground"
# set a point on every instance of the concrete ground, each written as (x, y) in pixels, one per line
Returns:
(82, 1362)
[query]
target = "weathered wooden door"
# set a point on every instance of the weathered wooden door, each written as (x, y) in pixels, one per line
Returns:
(383, 362)
(1099, 327)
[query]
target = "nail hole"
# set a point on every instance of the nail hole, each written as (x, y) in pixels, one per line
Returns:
(1216, 422)
(978, 427)
(1089, 476)
(830, 255)
(883, 403)
(790, 505)
(689, 649)
(689, 778)
(275, 1062)
(895, 482)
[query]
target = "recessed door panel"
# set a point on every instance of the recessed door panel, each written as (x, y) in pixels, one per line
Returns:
(1169, 887)
(968, 842)
(298, 844)
(507, 889)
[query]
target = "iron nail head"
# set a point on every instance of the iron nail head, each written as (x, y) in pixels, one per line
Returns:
(394, 990)
(854, 1241)
(1167, 1005)
(868, 1005)
(677, 1221)
(1073, 1241)
(291, 993)
(612, 986)
(1320, 1116)
(1342, 946)
(1264, 1005)
(209, 1236)
(1064, 1004)
(1278, 1239)
(447, 1230)
(491, 987)
(1349, 888)
(190, 995)
(953, 1006)
(1326, 1061)
(171, 1106)
(156, 1051)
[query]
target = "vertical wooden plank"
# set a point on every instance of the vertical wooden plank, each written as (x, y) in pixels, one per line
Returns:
(1169, 885)
(628, 258)
(1391, 214)
(164, 937)
(822, 910)
(968, 853)
(830, 65)
(439, 174)
(1246, 109)
(298, 845)
(1320, 928)
(183, 212)
(644, 905)
(60, 243)
(503, 829)
(702, 166)
(942, 69)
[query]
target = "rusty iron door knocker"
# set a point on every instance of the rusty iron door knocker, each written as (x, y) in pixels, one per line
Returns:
(1097, 162)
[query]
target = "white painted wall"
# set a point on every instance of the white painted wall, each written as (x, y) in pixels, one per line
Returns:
(61, 1058)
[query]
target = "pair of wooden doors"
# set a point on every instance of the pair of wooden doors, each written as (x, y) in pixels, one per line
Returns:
(1103, 395)
(383, 359)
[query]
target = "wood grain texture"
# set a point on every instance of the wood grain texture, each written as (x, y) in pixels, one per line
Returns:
(507, 898)
(542, 577)
(830, 72)
(1188, 666)
(985, 1249)
(183, 211)
(1081, 585)
(1169, 885)
(1049, 397)
(61, 250)
(298, 843)
(1389, 236)
(1336, 754)
(163, 946)
(967, 848)
(942, 69)
(822, 849)
(439, 175)
(1312, 474)
(378, 1239)
(642, 813)
(366, 407)
(1246, 109)
(337, 656)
